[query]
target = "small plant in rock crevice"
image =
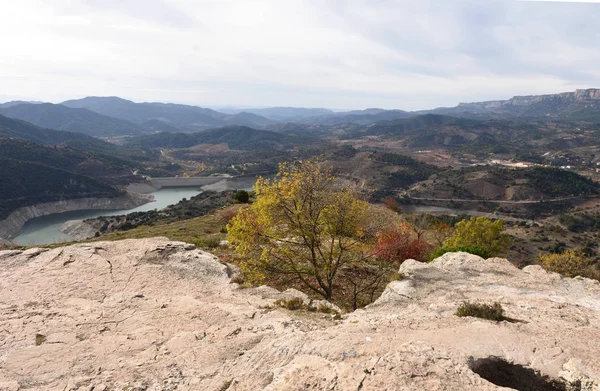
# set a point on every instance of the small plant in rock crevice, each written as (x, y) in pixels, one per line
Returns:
(492, 311)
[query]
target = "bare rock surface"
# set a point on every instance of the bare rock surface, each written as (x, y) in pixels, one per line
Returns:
(151, 314)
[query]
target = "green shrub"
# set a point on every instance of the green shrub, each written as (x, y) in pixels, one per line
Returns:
(241, 196)
(481, 310)
(475, 250)
(326, 310)
(293, 304)
(207, 242)
(571, 263)
(481, 232)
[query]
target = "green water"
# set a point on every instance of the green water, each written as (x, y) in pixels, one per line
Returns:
(46, 229)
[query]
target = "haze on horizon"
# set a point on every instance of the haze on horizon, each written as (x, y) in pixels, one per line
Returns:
(340, 54)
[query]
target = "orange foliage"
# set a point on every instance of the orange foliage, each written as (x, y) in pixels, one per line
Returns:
(392, 205)
(398, 244)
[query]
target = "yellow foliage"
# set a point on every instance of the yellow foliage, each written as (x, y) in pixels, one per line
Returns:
(571, 263)
(303, 224)
(480, 232)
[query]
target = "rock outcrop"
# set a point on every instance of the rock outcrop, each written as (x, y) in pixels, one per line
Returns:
(151, 314)
(17, 219)
(580, 102)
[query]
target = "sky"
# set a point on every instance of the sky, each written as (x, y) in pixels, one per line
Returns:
(336, 54)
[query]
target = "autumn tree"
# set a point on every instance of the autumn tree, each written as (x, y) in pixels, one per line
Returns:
(439, 233)
(392, 205)
(399, 243)
(480, 232)
(305, 225)
(571, 263)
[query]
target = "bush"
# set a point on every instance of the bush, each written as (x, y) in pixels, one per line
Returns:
(293, 304)
(241, 196)
(571, 263)
(481, 310)
(475, 250)
(207, 242)
(481, 232)
(398, 244)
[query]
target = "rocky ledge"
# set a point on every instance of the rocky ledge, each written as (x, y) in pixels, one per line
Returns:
(151, 314)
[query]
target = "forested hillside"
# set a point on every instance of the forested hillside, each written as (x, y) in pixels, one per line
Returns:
(26, 183)
(60, 117)
(236, 137)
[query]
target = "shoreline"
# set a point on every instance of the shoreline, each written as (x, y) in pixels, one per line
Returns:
(137, 195)
(154, 184)
(16, 220)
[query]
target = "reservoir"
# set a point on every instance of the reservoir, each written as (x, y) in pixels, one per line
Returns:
(46, 229)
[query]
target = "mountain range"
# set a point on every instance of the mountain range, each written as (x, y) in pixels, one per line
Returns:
(113, 116)
(183, 117)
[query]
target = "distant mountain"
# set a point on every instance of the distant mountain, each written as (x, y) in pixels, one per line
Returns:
(247, 119)
(28, 132)
(360, 117)
(60, 117)
(157, 125)
(18, 102)
(320, 116)
(24, 130)
(579, 105)
(286, 114)
(182, 117)
(236, 137)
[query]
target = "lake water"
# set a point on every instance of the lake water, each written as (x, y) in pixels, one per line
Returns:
(46, 229)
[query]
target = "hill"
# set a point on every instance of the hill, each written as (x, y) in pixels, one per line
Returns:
(358, 117)
(236, 137)
(183, 117)
(17, 102)
(109, 168)
(476, 135)
(24, 183)
(318, 116)
(25, 131)
(48, 115)
(284, 114)
(10, 127)
(505, 184)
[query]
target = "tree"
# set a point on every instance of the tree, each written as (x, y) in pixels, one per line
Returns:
(398, 244)
(571, 263)
(303, 225)
(439, 233)
(241, 196)
(392, 205)
(480, 232)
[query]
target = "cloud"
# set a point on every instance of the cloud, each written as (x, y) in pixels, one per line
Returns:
(340, 54)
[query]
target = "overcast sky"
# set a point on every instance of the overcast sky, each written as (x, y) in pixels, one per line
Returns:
(321, 53)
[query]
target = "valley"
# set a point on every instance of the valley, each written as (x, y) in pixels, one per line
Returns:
(508, 160)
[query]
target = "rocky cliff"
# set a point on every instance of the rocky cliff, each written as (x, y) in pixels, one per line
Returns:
(581, 103)
(17, 219)
(157, 315)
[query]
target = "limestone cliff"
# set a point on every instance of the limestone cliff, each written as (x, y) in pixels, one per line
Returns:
(17, 219)
(151, 314)
(565, 104)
